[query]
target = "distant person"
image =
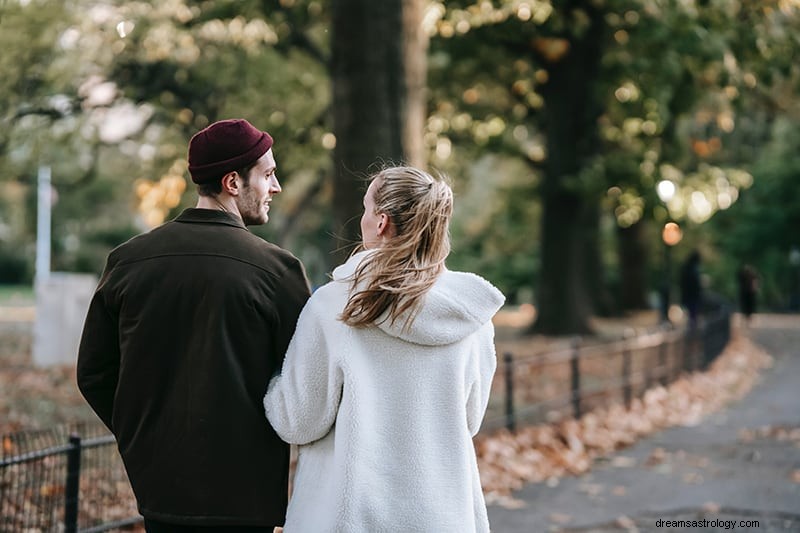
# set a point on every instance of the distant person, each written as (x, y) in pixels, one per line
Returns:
(187, 325)
(794, 283)
(748, 290)
(387, 378)
(691, 287)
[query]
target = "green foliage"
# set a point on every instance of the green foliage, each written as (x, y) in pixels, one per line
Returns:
(701, 93)
(15, 267)
(761, 228)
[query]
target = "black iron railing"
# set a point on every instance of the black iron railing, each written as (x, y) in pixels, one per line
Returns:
(68, 478)
(544, 387)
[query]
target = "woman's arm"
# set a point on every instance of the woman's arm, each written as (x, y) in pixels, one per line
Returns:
(483, 366)
(302, 401)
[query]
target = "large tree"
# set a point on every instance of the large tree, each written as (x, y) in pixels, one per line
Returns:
(378, 75)
(602, 100)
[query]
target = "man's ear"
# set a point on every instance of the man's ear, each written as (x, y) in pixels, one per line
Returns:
(230, 184)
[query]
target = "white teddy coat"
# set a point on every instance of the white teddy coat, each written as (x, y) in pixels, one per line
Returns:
(384, 417)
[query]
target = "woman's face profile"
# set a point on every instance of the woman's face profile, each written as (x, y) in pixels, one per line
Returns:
(370, 220)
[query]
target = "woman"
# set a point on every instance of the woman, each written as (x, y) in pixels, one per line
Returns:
(387, 377)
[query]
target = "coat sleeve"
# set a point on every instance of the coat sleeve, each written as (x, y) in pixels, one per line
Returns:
(483, 368)
(290, 296)
(302, 401)
(99, 353)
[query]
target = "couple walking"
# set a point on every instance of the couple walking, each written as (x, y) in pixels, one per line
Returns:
(199, 328)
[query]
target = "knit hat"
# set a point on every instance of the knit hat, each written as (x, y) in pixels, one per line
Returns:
(225, 146)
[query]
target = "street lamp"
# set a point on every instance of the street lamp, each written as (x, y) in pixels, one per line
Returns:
(671, 235)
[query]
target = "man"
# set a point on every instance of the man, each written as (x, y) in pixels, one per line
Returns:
(187, 325)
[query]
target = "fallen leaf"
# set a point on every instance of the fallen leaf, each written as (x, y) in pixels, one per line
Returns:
(559, 518)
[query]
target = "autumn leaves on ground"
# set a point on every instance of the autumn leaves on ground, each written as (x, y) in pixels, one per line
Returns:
(40, 398)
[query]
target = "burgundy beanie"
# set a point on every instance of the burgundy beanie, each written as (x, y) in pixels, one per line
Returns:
(225, 146)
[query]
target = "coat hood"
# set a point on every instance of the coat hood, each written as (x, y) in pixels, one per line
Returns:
(456, 306)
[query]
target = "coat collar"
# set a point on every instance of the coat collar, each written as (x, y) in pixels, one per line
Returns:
(194, 215)
(457, 305)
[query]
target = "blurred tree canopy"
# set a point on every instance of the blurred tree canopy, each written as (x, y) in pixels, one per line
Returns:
(556, 119)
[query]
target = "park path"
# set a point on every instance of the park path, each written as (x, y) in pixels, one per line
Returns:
(740, 464)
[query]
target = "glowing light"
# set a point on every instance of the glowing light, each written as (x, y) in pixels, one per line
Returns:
(536, 152)
(671, 234)
(446, 29)
(471, 96)
(724, 200)
(125, 28)
(462, 26)
(700, 209)
(623, 94)
(328, 141)
(520, 133)
(443, 148)
(649, 127)
(725, 122)
(632, 17)
(666, 190)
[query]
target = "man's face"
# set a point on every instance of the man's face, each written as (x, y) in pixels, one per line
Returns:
(253, 202)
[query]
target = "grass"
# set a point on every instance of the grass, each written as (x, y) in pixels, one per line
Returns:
(16, 294)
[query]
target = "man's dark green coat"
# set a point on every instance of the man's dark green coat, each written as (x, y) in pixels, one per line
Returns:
(187, 325)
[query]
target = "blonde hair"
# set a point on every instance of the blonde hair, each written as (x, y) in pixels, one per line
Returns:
(396, 276)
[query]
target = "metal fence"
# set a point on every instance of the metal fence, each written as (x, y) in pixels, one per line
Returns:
(71, 478)
(545, 387)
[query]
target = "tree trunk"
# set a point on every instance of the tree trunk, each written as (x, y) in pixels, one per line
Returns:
(415, 53)
(571, 112)
(632, 267)
(600, 298)
(373, 113)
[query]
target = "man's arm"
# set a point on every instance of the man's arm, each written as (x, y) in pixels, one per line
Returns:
(291, 294)
(99, 355)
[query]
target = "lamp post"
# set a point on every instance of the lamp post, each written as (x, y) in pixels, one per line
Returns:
(671, 235)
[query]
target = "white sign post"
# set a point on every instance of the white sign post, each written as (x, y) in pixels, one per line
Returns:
(62, 298)
(44, 205)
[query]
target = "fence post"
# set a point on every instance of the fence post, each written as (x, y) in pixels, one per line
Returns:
(626, 369)
(708, 343)
(72, 485)
(687, 349)
(663, 370)
(575, 375)
(509, 373)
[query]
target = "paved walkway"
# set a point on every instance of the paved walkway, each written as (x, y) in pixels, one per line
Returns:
(742, 464)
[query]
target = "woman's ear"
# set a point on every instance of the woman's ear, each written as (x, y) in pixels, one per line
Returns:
(385, 226)
(230, 183)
